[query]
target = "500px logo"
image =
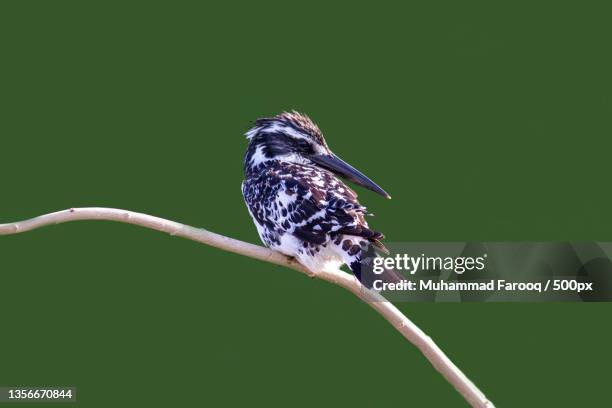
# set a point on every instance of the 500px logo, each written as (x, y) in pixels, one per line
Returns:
(411, 264)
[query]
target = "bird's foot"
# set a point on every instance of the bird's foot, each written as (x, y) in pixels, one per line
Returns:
(310, 273)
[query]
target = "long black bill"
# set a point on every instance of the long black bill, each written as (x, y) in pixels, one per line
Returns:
(342, 168)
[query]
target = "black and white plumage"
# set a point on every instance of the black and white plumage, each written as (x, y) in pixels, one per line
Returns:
(299, 206)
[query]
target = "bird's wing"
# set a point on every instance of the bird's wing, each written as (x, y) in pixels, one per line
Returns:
(317, 205)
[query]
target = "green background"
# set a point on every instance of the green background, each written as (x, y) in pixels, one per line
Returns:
(484, 121)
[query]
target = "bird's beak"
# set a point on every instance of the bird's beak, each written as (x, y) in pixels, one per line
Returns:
(342, 168)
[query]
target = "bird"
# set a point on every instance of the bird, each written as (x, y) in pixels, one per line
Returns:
(294, 192)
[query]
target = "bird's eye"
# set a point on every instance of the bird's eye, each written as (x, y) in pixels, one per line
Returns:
(304, 145)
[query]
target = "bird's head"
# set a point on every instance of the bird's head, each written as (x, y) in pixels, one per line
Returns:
(293, 137)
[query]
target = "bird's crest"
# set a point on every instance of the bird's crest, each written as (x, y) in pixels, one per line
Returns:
(294, 120)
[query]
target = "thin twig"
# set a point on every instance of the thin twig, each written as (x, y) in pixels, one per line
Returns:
(408, 329)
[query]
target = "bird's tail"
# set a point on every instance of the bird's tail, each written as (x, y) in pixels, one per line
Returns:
(359, 255)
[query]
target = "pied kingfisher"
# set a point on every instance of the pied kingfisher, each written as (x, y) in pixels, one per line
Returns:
(299, 206)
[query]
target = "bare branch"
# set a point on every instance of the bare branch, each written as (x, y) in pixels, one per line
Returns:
(408, 329)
